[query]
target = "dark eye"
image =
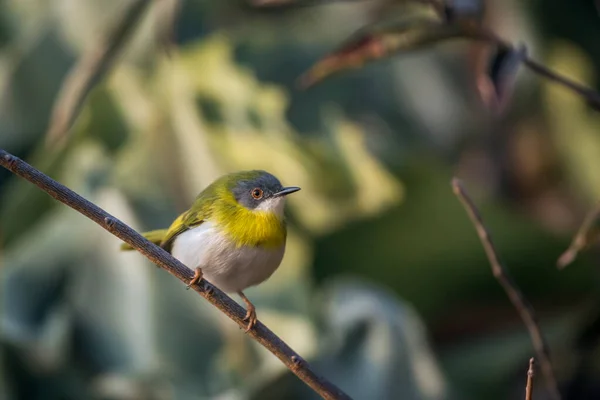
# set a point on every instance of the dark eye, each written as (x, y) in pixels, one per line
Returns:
(257, 193)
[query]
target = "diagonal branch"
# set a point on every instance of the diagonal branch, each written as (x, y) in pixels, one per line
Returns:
(88, 70)
(163, 259)
(591, 96)
(515, 295)
(581, 240)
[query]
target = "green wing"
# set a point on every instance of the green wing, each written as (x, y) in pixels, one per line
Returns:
(185, 221)
(165, 237)
(198, 213)
(192, 218)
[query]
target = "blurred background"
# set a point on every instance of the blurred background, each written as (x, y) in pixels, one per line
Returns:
(384, 288)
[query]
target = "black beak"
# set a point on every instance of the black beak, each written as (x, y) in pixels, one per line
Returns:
(286, 190)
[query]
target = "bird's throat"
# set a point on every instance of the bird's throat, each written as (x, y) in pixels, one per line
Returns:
(252, 227)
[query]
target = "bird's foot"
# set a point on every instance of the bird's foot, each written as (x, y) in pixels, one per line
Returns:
(250, 317)
(196, 278)
(250, 313)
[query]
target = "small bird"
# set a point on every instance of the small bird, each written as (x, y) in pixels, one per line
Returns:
(233, 235)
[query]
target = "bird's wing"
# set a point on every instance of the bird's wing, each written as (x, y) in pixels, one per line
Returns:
(187, 220)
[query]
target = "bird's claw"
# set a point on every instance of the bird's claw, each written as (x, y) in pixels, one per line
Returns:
(251, 318)
(250, 312)
(196, 278)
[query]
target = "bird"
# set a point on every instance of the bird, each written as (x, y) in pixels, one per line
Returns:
(233, 235)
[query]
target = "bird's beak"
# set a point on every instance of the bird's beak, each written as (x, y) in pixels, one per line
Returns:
(286, 190)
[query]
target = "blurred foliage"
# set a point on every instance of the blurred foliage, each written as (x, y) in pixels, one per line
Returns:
(381, 259)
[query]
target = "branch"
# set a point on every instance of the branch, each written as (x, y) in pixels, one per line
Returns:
(592, 97)
(529, 387)
(163, 259)
(581, 239)
(517, 298)
(376, 41)
(88, 70)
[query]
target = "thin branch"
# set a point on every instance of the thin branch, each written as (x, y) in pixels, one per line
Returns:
(581, 239)
(590, 95)
(529, 387)
(163, 259)
(88, 70)
(479, 33)
(515, 295)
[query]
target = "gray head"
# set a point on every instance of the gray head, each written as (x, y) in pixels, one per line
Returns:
(259, 190)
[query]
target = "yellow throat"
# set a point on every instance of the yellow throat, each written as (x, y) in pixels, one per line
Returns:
(251, 227)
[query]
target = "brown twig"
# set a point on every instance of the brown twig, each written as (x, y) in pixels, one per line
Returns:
(88, 70)
(529, 387)
(515, 295)
(590, 95)
(581, 239)
(163, 259)
(477, 32)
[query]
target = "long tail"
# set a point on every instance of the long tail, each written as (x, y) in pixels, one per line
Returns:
(155, 237)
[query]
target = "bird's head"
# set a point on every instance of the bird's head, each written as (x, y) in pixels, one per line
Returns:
(258, 191)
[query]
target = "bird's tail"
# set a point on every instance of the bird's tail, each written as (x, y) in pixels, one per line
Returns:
(155, 237)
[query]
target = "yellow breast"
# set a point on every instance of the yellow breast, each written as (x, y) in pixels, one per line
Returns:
(251, 228)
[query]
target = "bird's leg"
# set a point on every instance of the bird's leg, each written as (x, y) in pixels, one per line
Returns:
(250, 311)
(197, 277)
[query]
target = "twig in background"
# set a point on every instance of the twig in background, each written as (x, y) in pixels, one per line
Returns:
(163, 259)
(515, 295)
(580, 241)
(88, 70)
(591, 96)
(529, 387)
(167, 24)
(373, 42)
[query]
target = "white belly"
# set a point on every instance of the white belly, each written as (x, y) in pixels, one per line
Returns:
(229, 268)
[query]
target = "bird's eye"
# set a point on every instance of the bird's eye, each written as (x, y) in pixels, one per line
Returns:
(257, 193)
